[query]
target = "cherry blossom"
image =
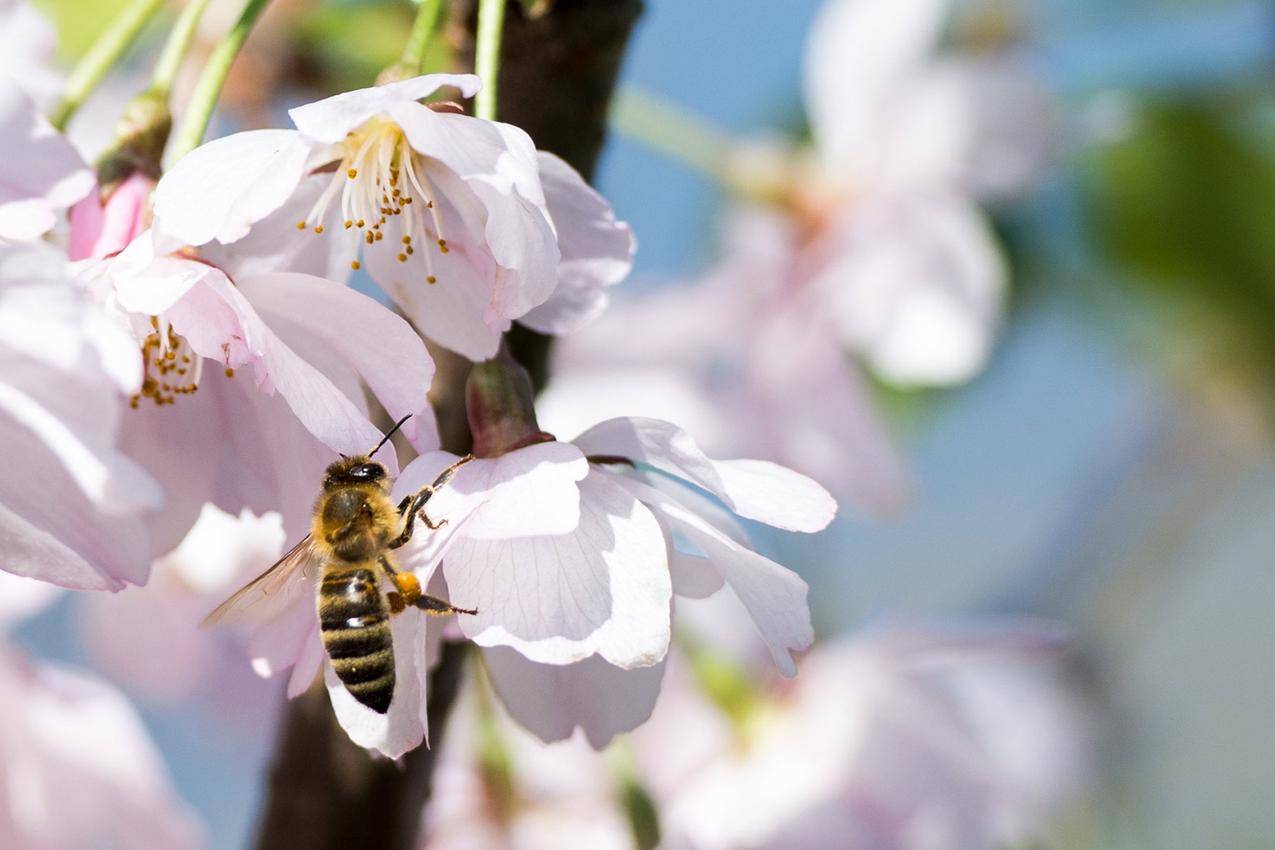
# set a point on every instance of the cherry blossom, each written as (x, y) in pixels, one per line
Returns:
(460, 220)
(568, 552)
(28, 43)
(80, 770)
(908, 738)
(148, 638)
(498, 788)
(71, 503)
(869, 245)
(261, 439)
(907, 264)
(41, 173)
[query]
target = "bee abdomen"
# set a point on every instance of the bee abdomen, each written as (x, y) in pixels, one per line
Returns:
(354, 623)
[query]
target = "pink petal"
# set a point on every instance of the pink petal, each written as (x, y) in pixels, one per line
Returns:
(41, 173)
(398, 368)
(99, 230)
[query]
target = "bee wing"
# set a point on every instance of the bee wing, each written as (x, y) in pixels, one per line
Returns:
(294, 572)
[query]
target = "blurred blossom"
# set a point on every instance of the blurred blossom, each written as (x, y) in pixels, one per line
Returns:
(79, 771)
(747, 358)
(906, 740)
(868, 243)
(28, 43)
(499, 788)
(148, 638)
(41, 174)
(479, 228)
(609, 543)
(71, 504)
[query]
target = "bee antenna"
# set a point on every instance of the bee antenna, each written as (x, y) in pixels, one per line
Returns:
(389, 433)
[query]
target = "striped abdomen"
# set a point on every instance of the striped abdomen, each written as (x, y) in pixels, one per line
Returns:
(355, 623)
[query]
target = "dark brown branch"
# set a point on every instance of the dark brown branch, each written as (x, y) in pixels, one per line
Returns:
(326, 793)
(558, 70)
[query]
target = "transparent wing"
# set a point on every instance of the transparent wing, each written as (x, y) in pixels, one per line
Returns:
(273, 590)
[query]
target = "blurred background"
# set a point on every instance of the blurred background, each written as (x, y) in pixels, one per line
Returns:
(1112, 469)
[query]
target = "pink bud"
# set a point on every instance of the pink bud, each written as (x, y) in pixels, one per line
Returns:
(104, 226)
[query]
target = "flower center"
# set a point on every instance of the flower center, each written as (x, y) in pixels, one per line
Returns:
(172, 368)
(380, 177)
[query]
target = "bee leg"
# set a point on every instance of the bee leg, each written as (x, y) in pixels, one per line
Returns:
(438, 607)
(407, 584)
(410, 506)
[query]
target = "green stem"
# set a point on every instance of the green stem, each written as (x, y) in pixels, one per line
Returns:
(208, 89)
(673, 131)
(427, 17)
(175, 48)
(491, 23)
(101, 57)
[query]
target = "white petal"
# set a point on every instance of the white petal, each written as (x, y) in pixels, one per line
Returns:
(858, 54)
(406, 725)
(220, 189)
(774, 595)
(597, 250)
(528, 492)
(33, 553)
(553, 701)
(755, 489)
(40, 174)
(331, 119)
(454, 310)
(397, 367)
(602, 588)
(274, 243)
(918, 289)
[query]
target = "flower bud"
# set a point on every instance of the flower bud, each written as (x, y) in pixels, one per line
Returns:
(140, 136)
(500, 407)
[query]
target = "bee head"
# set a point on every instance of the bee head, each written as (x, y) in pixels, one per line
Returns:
(357, 469)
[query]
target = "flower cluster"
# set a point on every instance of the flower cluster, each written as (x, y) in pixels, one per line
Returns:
(185, 348)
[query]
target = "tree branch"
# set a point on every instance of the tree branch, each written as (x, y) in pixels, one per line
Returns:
(558, 69)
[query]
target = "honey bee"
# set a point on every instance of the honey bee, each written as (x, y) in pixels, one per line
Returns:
(354, 530)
